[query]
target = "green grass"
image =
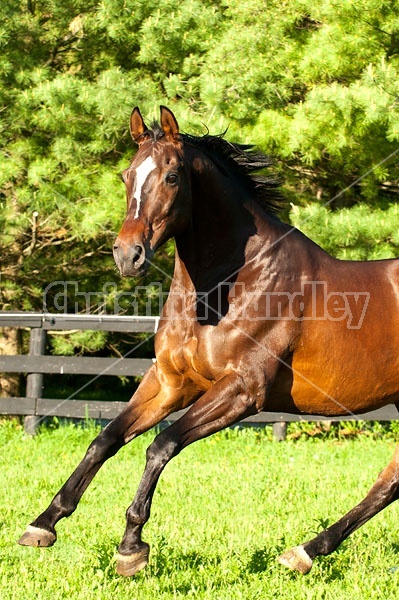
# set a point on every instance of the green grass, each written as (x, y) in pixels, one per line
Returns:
(223, 511)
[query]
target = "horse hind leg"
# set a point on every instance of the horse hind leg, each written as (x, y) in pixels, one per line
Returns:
(384, 492)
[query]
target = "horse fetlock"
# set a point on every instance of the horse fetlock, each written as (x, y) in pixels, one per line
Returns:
(130, 564)
(296, 559)
(37, 537)
(135, 520)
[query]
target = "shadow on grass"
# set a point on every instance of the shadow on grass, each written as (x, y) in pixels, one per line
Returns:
(177, 571)
(106, 560)
(395, 547)
(105, 556)
(168, 560)
(262, 560)
(329, 568)
(180, 571)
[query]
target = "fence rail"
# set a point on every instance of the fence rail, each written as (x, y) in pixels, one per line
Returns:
(74, 365)
(37, 363)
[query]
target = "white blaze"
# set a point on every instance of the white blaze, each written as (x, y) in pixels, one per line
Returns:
(142, 172)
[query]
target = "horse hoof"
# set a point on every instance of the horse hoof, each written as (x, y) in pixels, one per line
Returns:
(39, 538)
(130, 564)
(296, 559)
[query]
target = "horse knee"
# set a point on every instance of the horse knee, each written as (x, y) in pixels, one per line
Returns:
(162, 449)
(103, 447)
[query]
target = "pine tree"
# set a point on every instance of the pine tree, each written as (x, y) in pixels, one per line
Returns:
(314, 84)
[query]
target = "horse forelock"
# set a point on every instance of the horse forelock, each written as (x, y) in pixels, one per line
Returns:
(156, 132)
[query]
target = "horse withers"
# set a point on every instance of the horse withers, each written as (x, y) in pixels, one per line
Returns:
(258, 318)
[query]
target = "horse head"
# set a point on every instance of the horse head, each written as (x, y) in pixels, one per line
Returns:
(158, 193)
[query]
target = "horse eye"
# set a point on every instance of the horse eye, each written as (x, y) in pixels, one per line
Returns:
(171, 178)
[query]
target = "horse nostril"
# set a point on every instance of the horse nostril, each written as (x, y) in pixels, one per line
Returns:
(137, 252)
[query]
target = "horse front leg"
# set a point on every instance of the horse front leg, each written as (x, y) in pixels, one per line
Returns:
(148, 406)
(227, 402)
(384, 491)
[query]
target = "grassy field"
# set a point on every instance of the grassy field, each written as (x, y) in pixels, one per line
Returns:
(223, 511)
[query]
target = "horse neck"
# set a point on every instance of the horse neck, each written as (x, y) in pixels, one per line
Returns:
(224, 218)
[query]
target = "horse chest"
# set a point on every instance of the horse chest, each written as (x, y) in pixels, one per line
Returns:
(193, 355)
(182, 356)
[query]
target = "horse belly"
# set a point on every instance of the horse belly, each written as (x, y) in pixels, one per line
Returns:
(347, 360)
(331, 384)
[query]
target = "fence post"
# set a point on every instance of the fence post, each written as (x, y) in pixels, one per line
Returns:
(34, 381)
(279, 431)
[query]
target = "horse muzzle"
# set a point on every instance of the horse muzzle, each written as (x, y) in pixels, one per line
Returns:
(131, 260)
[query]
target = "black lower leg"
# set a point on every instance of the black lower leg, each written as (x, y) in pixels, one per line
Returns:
(328, 540)
(212, 412)
(384, 492)
(146, 408)
(105, 445)
(159, 453)
(133, 552)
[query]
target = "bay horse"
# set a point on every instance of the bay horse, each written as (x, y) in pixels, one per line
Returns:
(259, 318)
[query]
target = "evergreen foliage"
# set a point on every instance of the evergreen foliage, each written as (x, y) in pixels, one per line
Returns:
(314, 84)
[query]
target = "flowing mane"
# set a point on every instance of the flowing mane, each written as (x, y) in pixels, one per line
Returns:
(239, 160)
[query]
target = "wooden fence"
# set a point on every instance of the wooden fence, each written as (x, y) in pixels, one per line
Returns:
(34, 407)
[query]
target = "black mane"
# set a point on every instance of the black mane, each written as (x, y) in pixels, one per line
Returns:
(241, 161)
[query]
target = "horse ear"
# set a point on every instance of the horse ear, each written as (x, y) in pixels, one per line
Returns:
(138, 128)
(169, 125)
